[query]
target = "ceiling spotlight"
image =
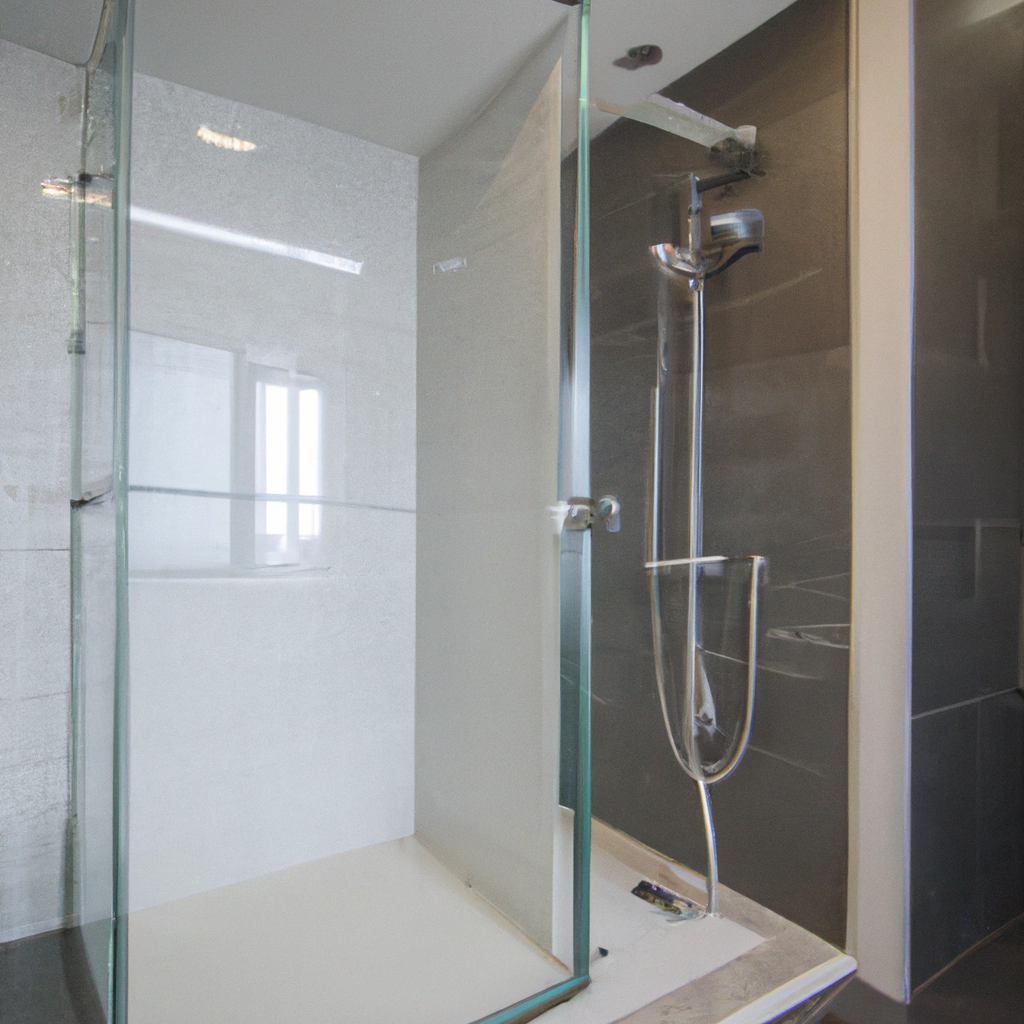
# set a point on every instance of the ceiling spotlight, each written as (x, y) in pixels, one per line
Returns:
(639, 57)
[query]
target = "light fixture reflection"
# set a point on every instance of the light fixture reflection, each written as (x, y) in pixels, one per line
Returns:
(212, 233)
(96, 191)
(222, 141)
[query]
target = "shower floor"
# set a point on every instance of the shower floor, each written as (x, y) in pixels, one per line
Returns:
(387, 935)
(379, 935)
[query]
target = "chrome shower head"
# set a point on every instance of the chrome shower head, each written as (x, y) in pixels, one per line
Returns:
(733, 235)
(678, 214)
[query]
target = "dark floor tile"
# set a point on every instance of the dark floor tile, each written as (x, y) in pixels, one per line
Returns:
(44, 979)
(859, 1003)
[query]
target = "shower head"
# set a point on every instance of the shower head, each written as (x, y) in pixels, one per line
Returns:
(677, 213)
(732, 235)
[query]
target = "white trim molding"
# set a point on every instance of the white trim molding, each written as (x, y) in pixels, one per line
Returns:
(882, 267)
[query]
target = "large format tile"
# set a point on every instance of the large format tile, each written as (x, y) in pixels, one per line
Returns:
(34, 614)
(774, 805)
(946, 906)
(272, 714)
(40, 103)
(1000, 796)
(40, 99)
(32, 847)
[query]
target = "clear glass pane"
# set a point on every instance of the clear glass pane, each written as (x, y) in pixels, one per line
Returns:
(347, 353)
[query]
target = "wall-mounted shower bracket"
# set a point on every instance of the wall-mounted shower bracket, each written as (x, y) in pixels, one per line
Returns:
(582, 513)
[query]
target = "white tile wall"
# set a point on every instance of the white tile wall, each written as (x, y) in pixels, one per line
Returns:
(272, 713)
(39, 104)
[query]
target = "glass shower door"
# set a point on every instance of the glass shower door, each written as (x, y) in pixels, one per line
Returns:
(358, 665)
(97, 351)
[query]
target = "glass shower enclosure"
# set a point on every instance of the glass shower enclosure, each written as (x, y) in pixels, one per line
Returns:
(328, 701)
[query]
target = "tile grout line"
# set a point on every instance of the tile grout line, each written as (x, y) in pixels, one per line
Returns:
(965, 703)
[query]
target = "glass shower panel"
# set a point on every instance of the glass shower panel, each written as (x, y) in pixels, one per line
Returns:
(62, 965)
(344, 531)
(94, 353)
(39, 931)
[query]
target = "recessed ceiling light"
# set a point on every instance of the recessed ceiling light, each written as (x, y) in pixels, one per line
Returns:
(224, 141)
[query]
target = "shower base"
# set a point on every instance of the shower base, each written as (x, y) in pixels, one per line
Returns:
(787, 977)
(378, 935)
(386, 935)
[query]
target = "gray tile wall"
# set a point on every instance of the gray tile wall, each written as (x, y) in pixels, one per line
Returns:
(968, 730)
(777, 466)
(40, 99)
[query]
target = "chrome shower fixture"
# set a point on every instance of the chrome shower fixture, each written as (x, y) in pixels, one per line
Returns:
(733, 235)
(730, 236)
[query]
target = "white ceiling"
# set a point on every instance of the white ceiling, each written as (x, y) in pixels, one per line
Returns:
(403, 74)
(688, 32)
(64, 29)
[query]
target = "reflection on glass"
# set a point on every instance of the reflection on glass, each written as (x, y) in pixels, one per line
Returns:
(181, 409)
(202, 442)
(272, 457)
(287, 463)
(309, 460)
